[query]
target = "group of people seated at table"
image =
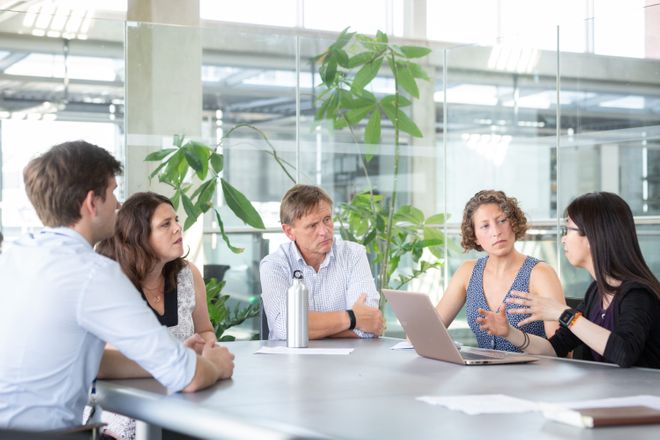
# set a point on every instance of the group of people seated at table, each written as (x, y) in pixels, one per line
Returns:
(108, 292)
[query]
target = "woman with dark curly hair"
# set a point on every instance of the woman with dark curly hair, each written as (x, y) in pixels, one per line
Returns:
(492, 223)
(619, 320)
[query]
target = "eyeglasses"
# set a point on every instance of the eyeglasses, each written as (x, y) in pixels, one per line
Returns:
(563, 230)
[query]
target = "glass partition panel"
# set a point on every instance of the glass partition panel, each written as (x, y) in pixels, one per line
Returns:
(62, 80)
(610, 137)
(500, 103)
(340, 161)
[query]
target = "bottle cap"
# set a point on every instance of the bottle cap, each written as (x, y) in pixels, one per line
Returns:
(297, 275)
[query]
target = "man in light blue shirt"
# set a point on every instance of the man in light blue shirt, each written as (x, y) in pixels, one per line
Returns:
(62, 302)
(343, 299)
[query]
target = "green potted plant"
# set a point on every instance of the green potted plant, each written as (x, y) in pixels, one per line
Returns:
(193, 170)
(389, 233)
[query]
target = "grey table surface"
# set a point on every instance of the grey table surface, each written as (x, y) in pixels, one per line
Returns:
(372, 392)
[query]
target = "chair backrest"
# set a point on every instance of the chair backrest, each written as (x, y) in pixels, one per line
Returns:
(216, 271)
(263, 330)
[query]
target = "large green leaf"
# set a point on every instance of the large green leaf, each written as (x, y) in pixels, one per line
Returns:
(159, 155)
(410, 214)
(197, 155)
(343, 38)
(406, 124)
(207, 190)
(217, 162)
(390, 100)
(403, 121)
(359, 59)
(357, 101)
(331, 110)
(172, 172)
(241, 206)
(221, 225)
(330, 71)
(435, 234)
(436, 219)
(366, 74)
(417, 71)
(157, 170)
(355, 115)
(405, 78)
(341, 57)
(415, 51)
(191, 212)
(372, 130)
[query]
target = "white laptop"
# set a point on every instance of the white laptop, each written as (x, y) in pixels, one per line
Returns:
(430, 338)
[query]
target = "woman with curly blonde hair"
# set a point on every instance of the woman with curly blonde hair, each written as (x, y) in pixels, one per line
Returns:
(492, 223)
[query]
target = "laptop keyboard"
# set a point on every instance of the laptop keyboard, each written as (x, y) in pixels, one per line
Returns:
(474, 356)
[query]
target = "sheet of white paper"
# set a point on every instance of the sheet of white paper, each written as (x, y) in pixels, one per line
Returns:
(287, 350)
(643, 400)
(482, 403)
(403, 345)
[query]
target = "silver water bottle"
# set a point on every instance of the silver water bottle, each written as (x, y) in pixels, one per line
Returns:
(296, 313)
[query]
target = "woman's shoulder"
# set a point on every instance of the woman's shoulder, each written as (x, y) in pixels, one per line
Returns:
(187, 271)
(541, 268)
(464, 271)
(544, 280)
(467, 266)
(633, 288)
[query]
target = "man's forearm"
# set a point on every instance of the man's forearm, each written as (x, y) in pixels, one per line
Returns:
(325, 324)
(206, 374)
(114, 365)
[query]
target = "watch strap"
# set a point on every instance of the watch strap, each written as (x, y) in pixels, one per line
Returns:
(351, 317)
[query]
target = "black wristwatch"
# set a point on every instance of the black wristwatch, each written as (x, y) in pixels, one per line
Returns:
(566, 317)
(351, 317)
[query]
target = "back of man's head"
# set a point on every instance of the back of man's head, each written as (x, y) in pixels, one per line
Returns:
(300, 200)
(58, 181)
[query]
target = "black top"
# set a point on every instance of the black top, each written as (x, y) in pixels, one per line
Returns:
(635, 339)
(170, 316)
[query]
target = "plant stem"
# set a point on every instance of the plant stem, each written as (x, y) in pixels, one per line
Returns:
(363, 163)
(384, 273)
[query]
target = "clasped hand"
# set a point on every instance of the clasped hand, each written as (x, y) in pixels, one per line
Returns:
(368, 319)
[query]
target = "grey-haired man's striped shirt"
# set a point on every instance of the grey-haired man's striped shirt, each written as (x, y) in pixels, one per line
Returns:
(342, 277)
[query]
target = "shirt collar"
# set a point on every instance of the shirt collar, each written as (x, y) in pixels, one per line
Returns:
(326, 261)
(67, 232)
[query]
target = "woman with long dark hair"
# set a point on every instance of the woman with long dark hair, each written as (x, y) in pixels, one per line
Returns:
(148, 245)
(619, 319)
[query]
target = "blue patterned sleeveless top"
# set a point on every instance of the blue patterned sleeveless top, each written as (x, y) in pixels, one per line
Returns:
(476, 298)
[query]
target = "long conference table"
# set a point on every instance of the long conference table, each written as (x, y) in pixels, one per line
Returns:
(371, 394)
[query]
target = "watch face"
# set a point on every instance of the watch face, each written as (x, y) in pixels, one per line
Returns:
(566, 317)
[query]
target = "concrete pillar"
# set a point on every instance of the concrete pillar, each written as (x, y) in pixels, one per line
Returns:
(163, 91)
(163, 81)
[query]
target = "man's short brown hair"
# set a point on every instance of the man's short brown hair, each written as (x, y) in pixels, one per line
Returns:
(58, 181)
(299, 201)
(508, 205)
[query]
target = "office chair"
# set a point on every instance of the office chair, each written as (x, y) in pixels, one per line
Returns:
(216, 271)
